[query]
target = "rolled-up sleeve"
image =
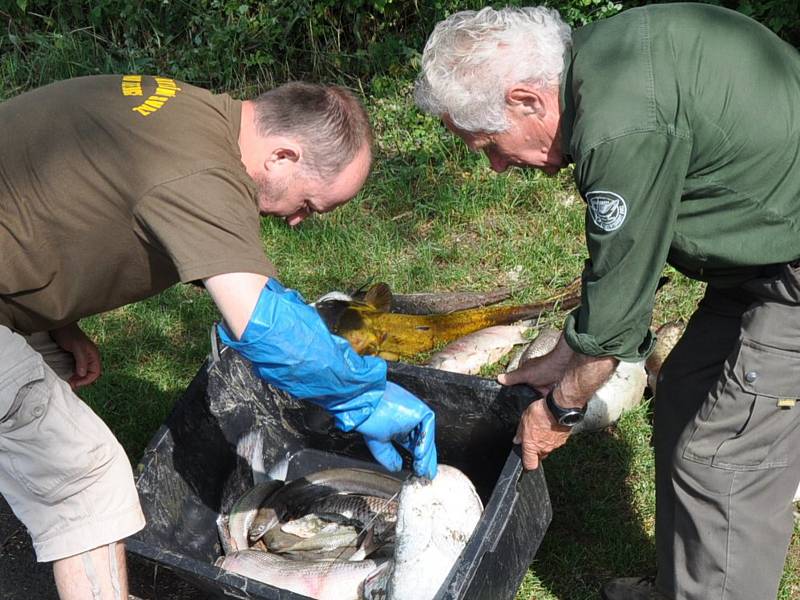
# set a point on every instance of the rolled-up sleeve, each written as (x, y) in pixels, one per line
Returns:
(632, 188)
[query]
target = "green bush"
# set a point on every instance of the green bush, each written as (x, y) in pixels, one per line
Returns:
(235, 44)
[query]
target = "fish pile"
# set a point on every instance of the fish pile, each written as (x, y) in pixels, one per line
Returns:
(351, 534)
(474, 334)
(372, 328)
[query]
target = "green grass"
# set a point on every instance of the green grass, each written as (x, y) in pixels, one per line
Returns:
(432, 217)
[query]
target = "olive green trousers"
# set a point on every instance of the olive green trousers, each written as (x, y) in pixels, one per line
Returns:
(727, 443)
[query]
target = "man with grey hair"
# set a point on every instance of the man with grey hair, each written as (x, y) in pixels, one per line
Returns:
(113, 188)
(682, 122)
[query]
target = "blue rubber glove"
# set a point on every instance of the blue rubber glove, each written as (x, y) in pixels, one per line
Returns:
(403, 418)
(291, 348)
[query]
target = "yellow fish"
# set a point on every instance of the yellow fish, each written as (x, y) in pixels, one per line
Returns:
(371, 328)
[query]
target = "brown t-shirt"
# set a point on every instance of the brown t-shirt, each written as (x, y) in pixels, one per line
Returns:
(113, 188)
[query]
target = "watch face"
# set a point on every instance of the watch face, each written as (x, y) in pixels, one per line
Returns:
(571, 419)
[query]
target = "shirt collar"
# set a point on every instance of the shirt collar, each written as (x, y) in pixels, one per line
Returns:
(567, 105)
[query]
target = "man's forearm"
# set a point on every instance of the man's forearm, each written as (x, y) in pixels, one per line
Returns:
(583, 377)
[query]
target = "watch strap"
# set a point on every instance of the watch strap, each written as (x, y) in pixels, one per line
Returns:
(568, 417)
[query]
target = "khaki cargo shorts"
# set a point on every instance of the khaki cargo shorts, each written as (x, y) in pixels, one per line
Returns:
(62, 471)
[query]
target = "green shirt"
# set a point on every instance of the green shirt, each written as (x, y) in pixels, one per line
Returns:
(683, 121)
(113, 188)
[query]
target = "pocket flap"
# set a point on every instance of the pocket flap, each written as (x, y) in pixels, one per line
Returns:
(768, 371)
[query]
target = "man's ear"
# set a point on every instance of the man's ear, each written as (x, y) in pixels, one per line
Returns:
(526, 99)
(282, 156)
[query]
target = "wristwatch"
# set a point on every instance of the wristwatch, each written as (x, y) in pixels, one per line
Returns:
(568, 417)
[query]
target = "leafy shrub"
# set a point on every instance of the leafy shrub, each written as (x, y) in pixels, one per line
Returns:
(234, 44)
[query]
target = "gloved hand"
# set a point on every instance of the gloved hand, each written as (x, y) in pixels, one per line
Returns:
(291, 348)
(403, 418)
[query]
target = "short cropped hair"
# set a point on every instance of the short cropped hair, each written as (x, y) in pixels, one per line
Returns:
(328, 121)
(472, 58)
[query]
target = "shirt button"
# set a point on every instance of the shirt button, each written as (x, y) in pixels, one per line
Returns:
(38, 410)
(750, 376)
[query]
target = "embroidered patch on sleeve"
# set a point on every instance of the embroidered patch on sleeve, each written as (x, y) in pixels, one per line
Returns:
(607, 209)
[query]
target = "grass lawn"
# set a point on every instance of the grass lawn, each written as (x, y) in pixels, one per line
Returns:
(432, 217)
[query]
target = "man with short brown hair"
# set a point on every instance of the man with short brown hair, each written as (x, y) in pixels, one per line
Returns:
(113, 188)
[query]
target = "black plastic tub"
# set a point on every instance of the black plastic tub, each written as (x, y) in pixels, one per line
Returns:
(184, 469)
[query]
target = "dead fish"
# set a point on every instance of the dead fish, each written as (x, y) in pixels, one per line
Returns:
(667, 337)
(545, 341)
(248, 471)
(471, 352)
(444, 302)
(435, 520)
(377, 582)
(320, 579)
(303, 539)
(298, 495)
(310, 533)
(379, 513)
(371, 328)
(243, 513)
(623, 390)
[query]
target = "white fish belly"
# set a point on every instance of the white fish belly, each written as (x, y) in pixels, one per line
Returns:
(484, 347)
(434, 522)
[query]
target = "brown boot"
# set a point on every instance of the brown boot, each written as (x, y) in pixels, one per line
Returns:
(631, 588)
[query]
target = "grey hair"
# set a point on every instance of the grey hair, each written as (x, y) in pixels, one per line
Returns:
(471, 59)
(328, 121)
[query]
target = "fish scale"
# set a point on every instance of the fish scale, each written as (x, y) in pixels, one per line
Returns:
(360, 508)
(319, 579)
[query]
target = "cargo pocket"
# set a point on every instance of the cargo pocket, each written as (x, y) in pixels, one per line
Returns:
(15, 386)
(744, 425)
(44, 448)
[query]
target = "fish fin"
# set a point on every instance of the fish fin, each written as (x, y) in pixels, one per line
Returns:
(358, 293)
(368, 545)
(389, 356)
(379, 296)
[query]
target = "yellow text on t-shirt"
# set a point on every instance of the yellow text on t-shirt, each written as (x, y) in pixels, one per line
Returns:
(166, 89)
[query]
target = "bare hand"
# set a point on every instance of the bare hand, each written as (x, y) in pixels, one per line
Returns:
(86, 354)
(538, 373)
(543, 372)
(539, 433)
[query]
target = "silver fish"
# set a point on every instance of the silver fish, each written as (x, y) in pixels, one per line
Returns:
(244, 512)
(622, 391)
(379, 512)
(320, 579)
(544, 342)
(310, 533)
(248, 471)
(484, 347)
(297, 496)
(435, 520)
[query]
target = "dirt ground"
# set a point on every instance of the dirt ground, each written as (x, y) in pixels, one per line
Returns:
(22, 578)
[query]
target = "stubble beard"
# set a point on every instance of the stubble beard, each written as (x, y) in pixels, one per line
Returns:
(269, 193)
